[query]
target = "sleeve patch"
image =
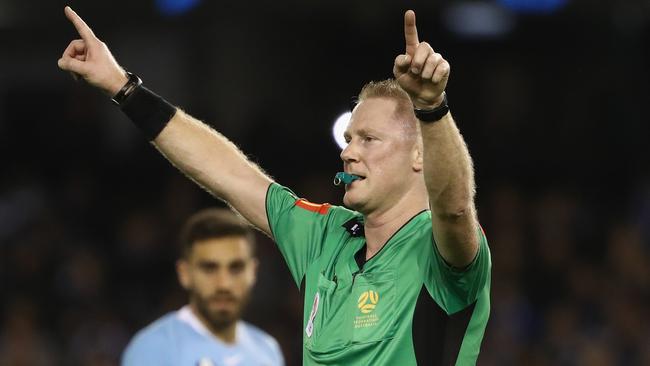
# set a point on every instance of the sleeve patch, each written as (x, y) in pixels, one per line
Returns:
(313, 207)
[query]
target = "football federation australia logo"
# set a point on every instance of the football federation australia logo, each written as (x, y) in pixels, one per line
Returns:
(368, 301)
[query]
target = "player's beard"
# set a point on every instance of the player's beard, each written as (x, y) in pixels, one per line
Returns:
(220, 319)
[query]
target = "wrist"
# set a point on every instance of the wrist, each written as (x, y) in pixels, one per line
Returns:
(132, 84)
(429, 104)
(149, 111)
(116, 83)
(432, 113)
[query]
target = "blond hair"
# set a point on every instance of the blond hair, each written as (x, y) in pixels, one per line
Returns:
(390, 89)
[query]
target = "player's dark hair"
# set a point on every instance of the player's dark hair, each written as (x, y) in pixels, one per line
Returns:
(213, 223)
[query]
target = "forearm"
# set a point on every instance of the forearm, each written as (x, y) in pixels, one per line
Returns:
(203, 154)
(216, 164)
(448, 170)
(449, 179)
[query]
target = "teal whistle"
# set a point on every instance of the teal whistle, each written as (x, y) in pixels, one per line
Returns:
(345, 178)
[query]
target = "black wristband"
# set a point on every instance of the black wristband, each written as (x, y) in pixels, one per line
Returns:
(435, 114)
(149, 111)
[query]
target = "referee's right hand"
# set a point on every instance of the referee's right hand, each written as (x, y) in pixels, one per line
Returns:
(91, 59)
(420, 71)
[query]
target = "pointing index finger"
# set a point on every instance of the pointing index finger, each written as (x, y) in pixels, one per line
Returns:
(84, 30)
(410, 32)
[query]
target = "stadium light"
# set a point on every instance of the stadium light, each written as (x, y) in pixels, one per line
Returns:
(339, 127)
(534, 6)
(472, 19)
(176, 7)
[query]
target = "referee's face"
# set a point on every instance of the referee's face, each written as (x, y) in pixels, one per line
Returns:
(382, 150)
(219, 274)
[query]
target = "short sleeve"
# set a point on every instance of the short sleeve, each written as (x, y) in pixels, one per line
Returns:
(277, 351)
(298, 228)
(146, 349)
(455, 289)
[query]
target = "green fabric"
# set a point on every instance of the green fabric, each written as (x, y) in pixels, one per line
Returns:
(365, 317)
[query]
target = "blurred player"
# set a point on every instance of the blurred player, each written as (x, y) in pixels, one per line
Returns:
(412, 229)
(218, 269)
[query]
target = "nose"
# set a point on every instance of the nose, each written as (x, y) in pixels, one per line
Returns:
(223, 280)
(349, 154)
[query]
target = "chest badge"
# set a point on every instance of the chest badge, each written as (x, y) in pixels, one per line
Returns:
(368, 301)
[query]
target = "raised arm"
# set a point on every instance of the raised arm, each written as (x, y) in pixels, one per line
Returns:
(201, 153)
(448, 171)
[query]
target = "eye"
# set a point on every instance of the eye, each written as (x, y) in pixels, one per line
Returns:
(368, 138)
(237, 267)
(208, 267)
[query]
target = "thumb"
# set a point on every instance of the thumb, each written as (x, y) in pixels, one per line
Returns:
(72, 64)
(402, 64)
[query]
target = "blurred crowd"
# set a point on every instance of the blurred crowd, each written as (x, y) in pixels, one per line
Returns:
(570, 282)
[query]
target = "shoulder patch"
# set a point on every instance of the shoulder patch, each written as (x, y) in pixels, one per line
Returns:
(320, 208)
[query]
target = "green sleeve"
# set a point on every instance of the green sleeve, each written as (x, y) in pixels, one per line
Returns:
(455, 289)
(298, 228)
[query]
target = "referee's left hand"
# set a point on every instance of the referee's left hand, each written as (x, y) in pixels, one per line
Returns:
(90, 58)
(420, 71)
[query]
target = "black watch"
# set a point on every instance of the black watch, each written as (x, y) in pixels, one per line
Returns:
(435, 114)
(131, 85)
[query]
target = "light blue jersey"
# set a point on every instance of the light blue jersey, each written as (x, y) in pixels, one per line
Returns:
(180, 339)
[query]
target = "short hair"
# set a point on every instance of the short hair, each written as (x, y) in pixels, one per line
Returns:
(213, 223)
(390, 89)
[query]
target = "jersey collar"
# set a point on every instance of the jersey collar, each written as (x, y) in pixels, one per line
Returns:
(354, 227)
(187, 316)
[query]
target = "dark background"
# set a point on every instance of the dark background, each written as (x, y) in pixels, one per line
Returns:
(553, 105)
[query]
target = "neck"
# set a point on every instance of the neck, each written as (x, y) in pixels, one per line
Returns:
(380, 225)
(227, 334)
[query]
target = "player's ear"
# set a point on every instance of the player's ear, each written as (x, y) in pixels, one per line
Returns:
(182, 271)
(418, 156)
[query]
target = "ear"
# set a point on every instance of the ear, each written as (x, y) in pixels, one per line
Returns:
(183, 273)
(418, 157)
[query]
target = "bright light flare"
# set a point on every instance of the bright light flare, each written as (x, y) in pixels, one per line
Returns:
(339, 128)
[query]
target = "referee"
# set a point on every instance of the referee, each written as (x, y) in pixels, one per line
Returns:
(410, 228)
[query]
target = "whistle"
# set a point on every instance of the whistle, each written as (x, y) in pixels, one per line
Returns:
(345, 178)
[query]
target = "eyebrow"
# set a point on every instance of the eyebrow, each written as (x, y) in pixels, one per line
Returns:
(362, 132)
(212, 263)
(207, 264)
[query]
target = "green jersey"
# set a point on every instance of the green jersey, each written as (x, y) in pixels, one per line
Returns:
(359, 312)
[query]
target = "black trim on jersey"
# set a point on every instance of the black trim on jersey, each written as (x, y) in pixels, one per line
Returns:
(354, 227)
(266, 208)
(451, 266)
(361, 260)
(437, 337)
(360, 256)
